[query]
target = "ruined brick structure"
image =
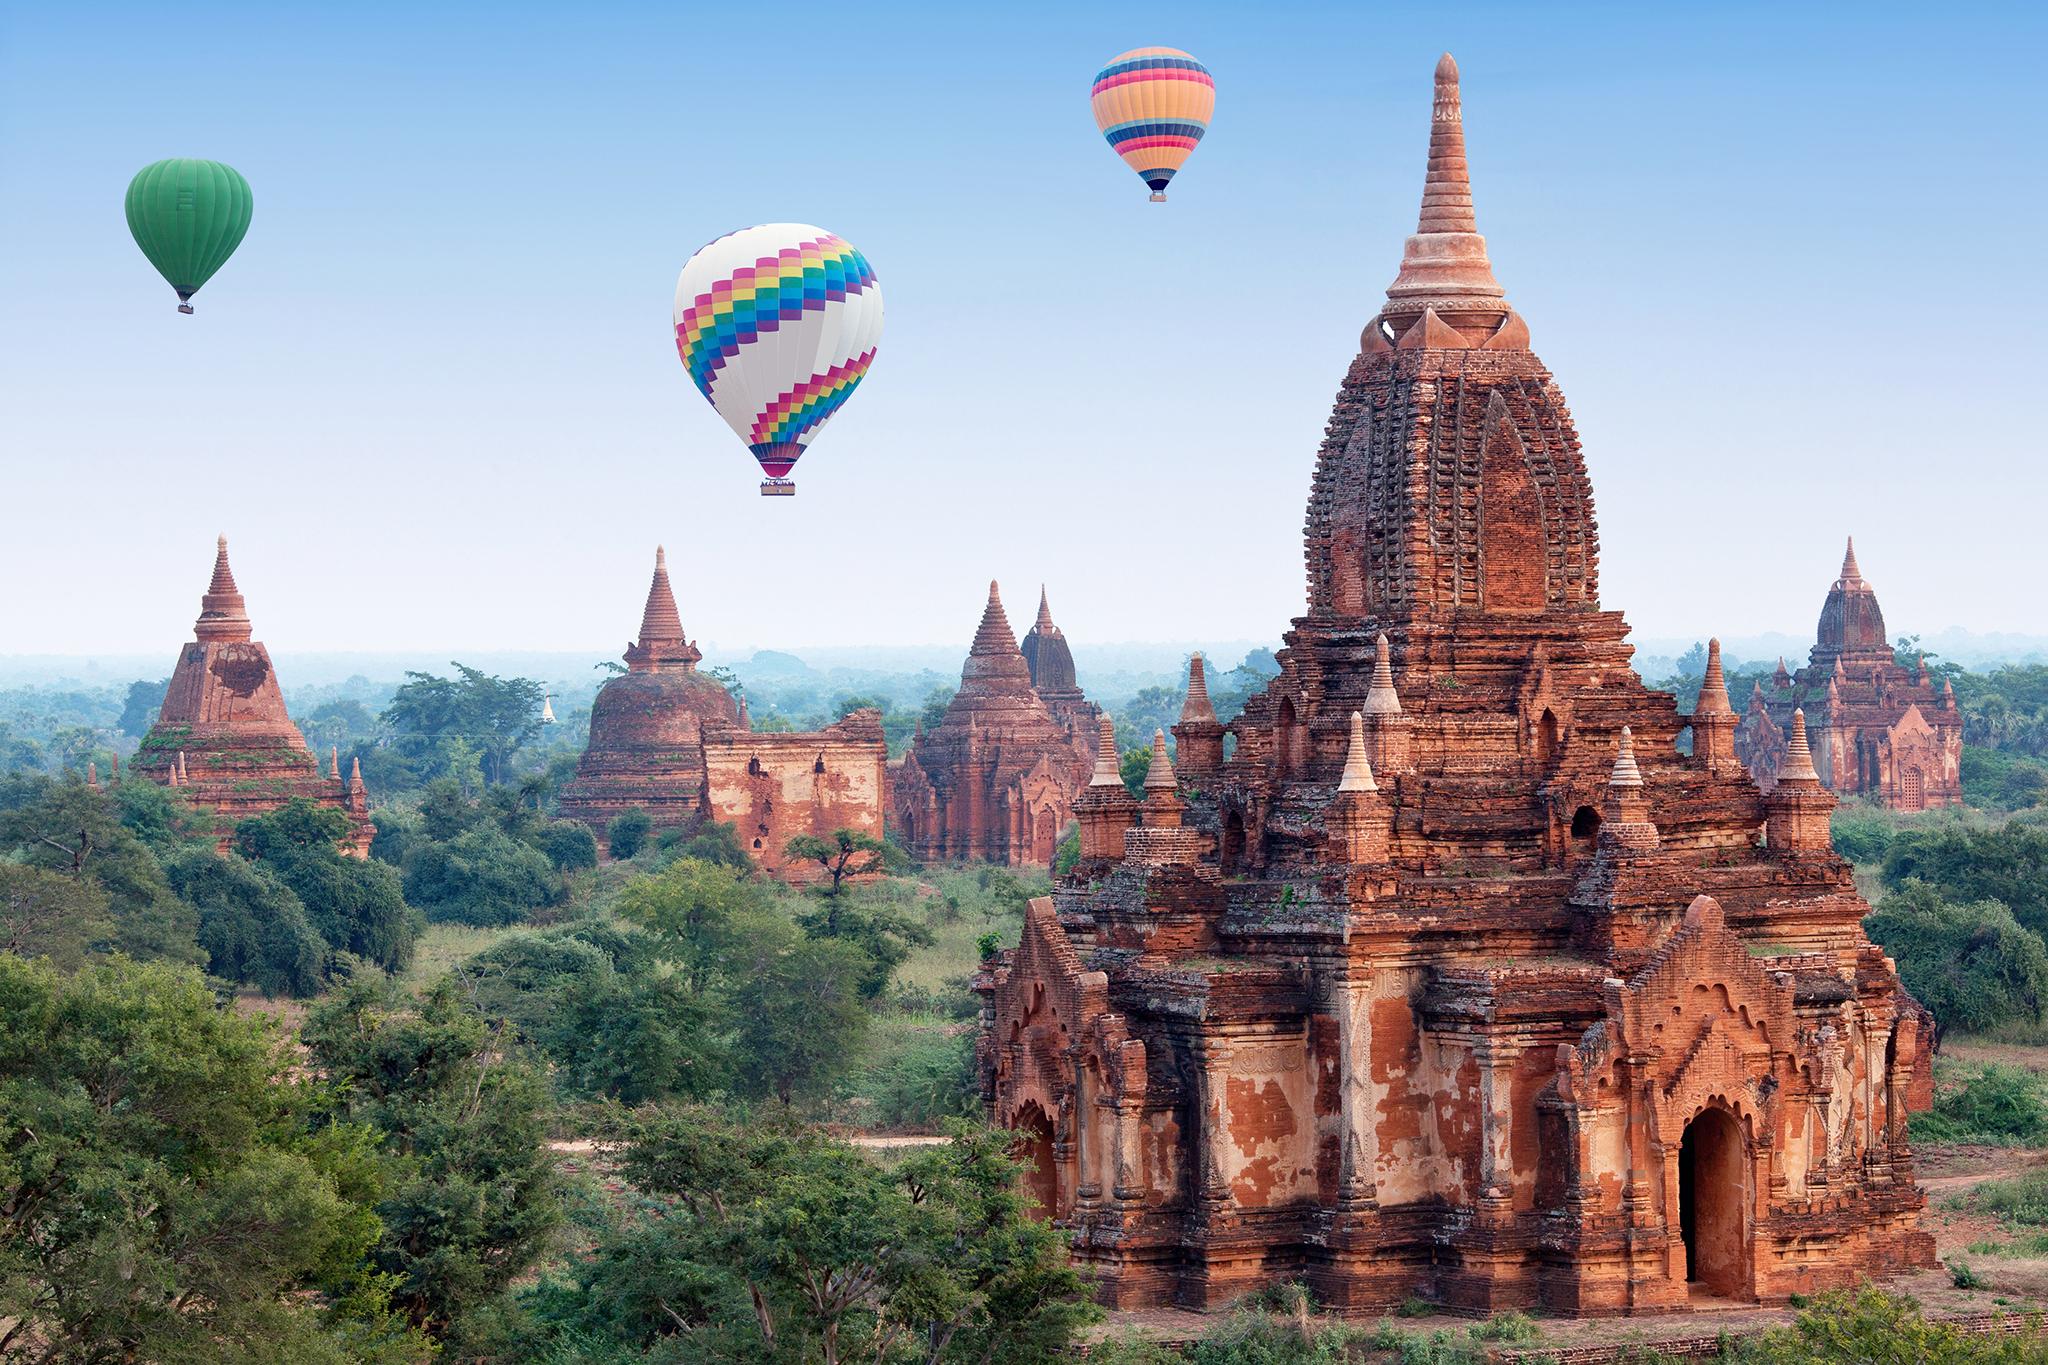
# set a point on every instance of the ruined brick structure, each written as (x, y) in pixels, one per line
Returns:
(224, 737)
(1877, 729)
(996, 779)
(1457, 977)
(673, 741)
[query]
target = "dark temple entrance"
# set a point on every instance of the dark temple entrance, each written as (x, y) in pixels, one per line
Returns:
(1713, 1200)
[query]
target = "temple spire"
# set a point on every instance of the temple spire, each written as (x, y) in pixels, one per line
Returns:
(994, 635)
(661, 641)
(334, 762)
(1444, 265)
(1850, 573)
(223, 615)
(1798, 762)
(1714, 687)
(1044, 622)
(1357, 770)
(1197, 709)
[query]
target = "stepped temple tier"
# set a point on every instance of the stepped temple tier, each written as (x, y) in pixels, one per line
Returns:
(224, 736)
(672, 741)
(1877, 729)
(1457, 978)
(996, 779)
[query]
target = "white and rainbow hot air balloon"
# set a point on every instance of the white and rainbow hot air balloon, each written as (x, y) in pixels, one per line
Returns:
(777, 326)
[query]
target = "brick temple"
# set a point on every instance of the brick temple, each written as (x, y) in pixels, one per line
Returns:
(1877, 728)
(1458, 978)
(670, 739)
(223, 736)
(996, 779)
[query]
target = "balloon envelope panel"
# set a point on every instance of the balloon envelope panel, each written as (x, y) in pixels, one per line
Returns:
(777, 325)
(188, 216)
(1152, 105)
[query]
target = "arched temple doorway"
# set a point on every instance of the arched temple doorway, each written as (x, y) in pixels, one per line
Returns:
(1042, 1181)
(1713, 1205)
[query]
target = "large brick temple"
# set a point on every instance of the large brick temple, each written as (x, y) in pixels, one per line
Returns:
(1877, 728)
(673, 741)
(223, 734)
(1458, 978)
(995, 780)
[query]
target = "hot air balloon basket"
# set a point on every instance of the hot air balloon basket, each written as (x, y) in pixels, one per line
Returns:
(1159, 198)
(778, 488)
(184, 307)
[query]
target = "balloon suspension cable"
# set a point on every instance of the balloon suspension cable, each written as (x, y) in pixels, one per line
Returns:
(778, 488)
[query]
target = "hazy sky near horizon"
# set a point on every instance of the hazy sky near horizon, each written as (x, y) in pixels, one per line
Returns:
(1785, 261)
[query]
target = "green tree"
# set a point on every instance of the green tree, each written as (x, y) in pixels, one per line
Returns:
(47, 914)
(713, 841)
(140, 707)
(787, 1245)
(1132, 768)
(698, 911)
(1972, 965)
(169, 1195)
(357, 905)
(253, 927)
(67, 827)
(476, 1202)
(600, 1006)
(494, 717)
(627, 833)
(798, 1016)
(2008, 865)
(846, 853)
(481, 877)
(568, 844)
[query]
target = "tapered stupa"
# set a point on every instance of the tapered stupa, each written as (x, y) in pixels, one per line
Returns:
(223, 733)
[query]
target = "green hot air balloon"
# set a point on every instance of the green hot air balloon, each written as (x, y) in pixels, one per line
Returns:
(188, 217)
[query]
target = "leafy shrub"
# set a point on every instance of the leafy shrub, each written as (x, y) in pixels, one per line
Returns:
(253, 927)
(2019, 1202)
(1510, 1327)
(1870, 1325)
(2008, 865)
(2004, 1104)
(568, 844)
(627, 833)
(1972, 965)
(1862, 835)
(482, 877)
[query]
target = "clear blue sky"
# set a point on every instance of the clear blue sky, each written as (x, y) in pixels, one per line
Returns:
(1785, 260)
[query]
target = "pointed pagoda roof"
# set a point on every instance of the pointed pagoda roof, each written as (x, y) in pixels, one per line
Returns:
(1850, 572)
(994, 660)
(662, 644)
(1046, 655)
(223, 615)
(1444, 266)
(1197, 709)
(1851, 621)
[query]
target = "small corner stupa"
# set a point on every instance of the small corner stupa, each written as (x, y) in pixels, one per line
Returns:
(223, 735)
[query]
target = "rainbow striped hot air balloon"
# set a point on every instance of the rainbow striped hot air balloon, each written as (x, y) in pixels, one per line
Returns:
(777, 326)
(1153, 104)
